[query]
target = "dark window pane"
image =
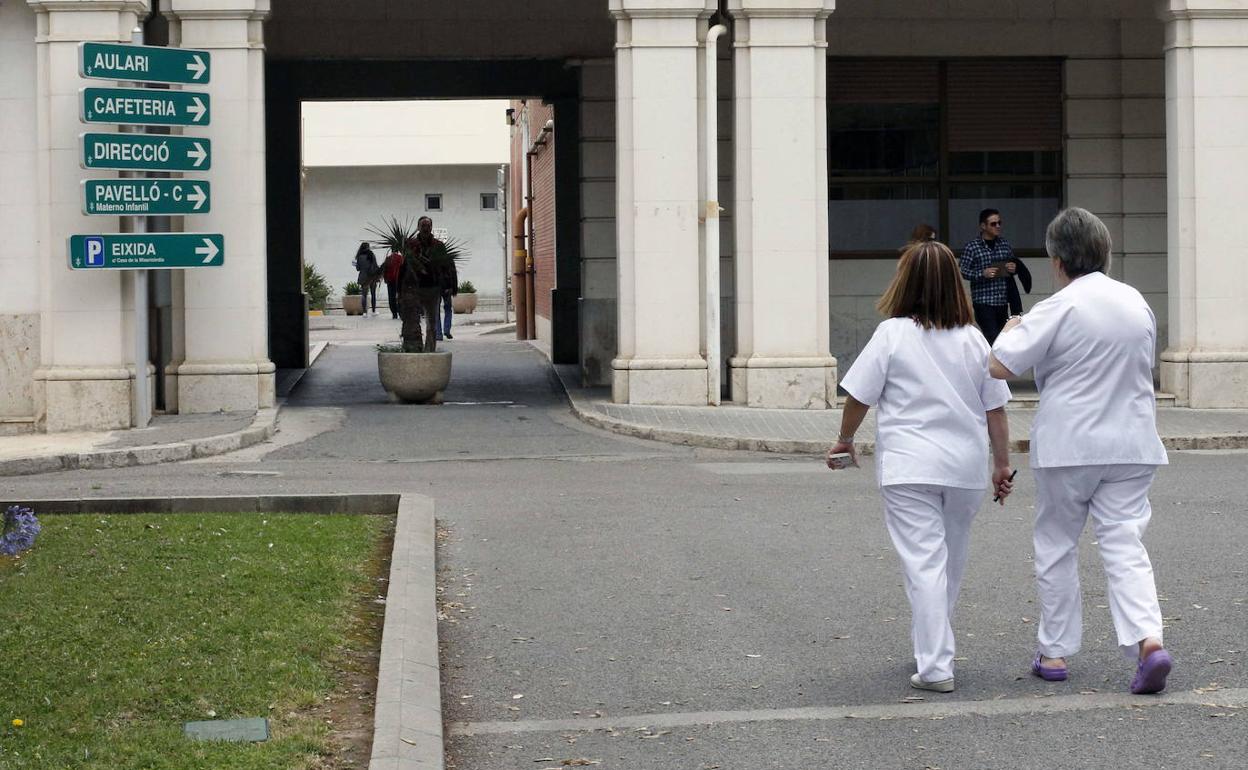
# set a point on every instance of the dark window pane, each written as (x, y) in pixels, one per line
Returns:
(1026, 210)
(878, 217)
(883, 139)
(1003, 163)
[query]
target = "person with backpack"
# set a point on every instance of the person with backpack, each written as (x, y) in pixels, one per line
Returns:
(368, 274)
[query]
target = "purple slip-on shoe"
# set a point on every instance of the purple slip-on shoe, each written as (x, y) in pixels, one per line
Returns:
(1151, 675)
(1048, 673)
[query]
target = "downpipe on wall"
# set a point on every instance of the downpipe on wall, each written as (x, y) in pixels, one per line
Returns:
(710, 214)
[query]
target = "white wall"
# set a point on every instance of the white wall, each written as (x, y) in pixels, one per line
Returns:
(19, 269)
(406, 133)
(340, 203)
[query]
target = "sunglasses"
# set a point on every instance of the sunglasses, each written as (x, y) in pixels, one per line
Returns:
(993, 224)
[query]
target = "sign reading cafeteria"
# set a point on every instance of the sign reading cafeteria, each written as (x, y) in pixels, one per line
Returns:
(144, 106)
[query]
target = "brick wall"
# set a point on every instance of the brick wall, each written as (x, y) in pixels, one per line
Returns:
(543, 207)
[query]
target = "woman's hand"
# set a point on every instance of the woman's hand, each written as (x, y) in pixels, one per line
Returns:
(1002, 483)
(842, 447)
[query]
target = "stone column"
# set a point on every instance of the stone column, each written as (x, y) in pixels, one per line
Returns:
(1205, 363)
(659, 359)
(781, 210)
(225, 311)
(85, 374)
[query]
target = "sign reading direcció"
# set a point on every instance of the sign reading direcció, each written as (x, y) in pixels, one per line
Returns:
(146, 152)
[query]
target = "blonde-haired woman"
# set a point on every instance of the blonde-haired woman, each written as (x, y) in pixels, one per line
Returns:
(926, 369)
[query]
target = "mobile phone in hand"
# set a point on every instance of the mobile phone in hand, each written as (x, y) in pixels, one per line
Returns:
(840, 461)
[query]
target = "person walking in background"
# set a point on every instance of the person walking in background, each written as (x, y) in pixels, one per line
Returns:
(449, 289)
(926, 368)
(368, 274)
(987, 262)
(390, 272)
(1094, 446)
(922, 232)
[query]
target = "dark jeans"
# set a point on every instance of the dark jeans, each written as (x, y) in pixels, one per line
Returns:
(392, 296)
(447, 312)
(364, 297)
(990, 319)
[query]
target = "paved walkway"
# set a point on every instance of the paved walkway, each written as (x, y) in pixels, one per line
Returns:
(800, 431)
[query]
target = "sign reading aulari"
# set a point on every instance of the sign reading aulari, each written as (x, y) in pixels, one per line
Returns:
(145, 251)
(143, 63)
(145, 107)
(146, 152)
(146, 197)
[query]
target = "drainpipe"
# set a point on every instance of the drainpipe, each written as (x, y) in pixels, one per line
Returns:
(710, 149)
(519, 256)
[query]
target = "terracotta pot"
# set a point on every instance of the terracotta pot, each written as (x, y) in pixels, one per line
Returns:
(415, 378)
(352, 304)
(464, 303)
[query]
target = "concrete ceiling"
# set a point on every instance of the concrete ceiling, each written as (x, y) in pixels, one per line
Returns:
(439, 29)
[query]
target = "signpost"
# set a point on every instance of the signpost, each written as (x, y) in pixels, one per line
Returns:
(136, 197)
(143, 251)
(146, 197)
(146, 152)
(143, 63)
(145, 107)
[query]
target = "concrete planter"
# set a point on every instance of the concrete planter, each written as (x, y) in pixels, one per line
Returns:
(353, 304)
(415, 378)
(464, 303)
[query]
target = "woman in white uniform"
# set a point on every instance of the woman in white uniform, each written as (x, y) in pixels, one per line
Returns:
(1094, 446)
(926, 368)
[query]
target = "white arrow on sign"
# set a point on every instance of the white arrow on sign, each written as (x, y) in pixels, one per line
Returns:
(197, 67)
(198, 154)
(197, 109)
(209, 250)
(197, 197)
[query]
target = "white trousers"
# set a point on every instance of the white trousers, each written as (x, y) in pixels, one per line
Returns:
(1117, 498)
(930, 527)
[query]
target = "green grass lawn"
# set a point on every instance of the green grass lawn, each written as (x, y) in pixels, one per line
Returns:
(117, 629)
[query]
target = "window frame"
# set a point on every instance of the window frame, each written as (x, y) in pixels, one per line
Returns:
(440, 198)
(493, 195)
(944, 180)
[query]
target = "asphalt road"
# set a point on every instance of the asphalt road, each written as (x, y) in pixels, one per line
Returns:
(663, 607)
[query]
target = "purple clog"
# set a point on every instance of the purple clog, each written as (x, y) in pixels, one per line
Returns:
(1151, 675)
(1048, 673)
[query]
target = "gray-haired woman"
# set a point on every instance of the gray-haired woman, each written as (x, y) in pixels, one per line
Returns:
(1094, 445)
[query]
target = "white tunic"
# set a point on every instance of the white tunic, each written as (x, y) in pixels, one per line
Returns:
(932, 388)
(1092, 346)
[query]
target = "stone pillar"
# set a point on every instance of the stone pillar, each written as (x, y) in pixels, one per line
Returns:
(85, 375)
(781, 209)
(659, 358)
(225, 311)
(1205, 363)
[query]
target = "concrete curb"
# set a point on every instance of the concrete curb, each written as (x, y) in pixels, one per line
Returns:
(407, 719)
(597, 419)
(262, 428)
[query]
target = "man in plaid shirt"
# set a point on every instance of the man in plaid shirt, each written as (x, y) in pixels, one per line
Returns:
(989, 285)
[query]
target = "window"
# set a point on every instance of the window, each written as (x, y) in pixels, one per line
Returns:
(489, 201)
(433, 201)
(915, 141)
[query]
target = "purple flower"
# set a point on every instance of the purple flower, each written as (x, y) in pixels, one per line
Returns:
(20, 529)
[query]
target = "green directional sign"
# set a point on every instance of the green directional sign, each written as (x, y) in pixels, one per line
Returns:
(146, 197)
(143, 63)
(145, 107)
(145, 251)
(146, 152)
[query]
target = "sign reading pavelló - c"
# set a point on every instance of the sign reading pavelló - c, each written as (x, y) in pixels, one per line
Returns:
(144, 251)
(145, 107)
(143, 63)
(146, 197)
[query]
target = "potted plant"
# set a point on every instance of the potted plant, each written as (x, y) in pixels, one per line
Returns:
(352, 302)
(415, 371)
(316, 288)
(466, 300)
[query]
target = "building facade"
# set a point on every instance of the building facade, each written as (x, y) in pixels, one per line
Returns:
(840, 125)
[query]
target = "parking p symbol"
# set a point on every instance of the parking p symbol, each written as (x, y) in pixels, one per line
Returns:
(95, 251)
